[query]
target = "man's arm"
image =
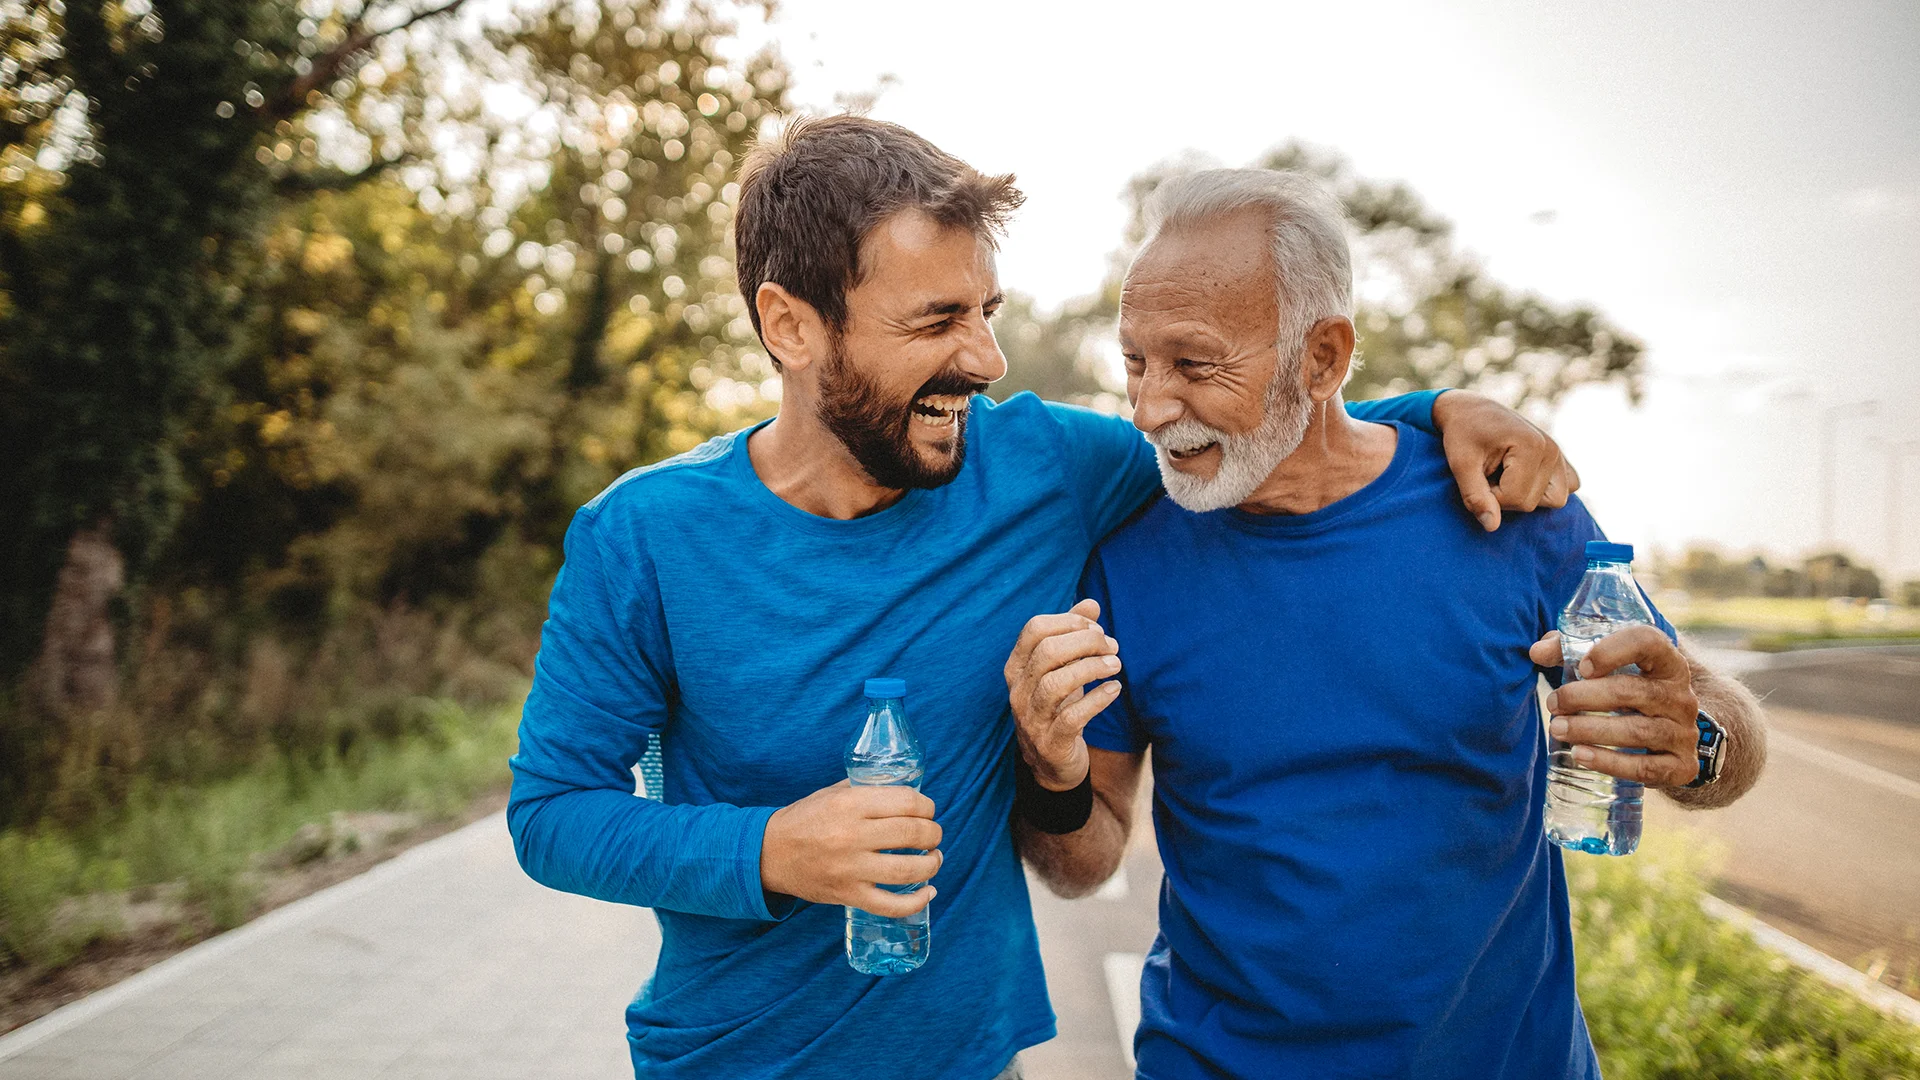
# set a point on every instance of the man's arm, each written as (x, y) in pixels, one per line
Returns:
(1076, 863)
(1498, 458)
(1656, 713)
(1054, 658)
(601, 684)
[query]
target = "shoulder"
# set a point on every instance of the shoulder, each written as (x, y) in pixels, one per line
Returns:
(659, 491)
(1026, 418)
(1147, 532)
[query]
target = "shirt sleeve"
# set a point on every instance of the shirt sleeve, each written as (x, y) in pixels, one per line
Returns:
(1564, 562)
(602, 682)
(1110, 466)
(1115, 728)
(1415, 409)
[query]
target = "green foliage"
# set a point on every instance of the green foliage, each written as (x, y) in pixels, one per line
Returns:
(122, 191)
(210, 840)
(1671, 994)
(423, 368)
(1427, 314)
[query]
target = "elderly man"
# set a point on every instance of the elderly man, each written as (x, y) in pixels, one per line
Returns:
(732, 600)
(1330, 663)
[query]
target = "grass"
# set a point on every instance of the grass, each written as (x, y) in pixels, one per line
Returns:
(205, 843)
(1790, 620)
(1673, 994)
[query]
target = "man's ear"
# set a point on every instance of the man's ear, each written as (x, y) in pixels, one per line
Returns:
(1329, 356)
(792, 329)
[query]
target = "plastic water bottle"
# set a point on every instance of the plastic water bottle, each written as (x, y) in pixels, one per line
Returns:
(886, 752)
(1588, 810)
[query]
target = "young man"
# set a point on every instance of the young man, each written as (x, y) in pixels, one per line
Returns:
(1330, 663)
(887, 523)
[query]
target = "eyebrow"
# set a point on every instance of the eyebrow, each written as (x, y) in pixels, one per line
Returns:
(952, 307)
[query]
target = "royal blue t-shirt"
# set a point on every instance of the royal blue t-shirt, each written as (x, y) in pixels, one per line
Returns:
(1348, 772)
(697, 605)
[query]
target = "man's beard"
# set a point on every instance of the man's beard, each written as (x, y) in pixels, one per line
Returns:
(875, 430)
(1245, 460)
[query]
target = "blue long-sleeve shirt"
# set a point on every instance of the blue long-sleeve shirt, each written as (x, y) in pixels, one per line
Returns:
(697, 605)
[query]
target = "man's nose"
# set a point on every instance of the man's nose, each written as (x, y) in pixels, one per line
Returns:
(980, 357)
(1153, 406)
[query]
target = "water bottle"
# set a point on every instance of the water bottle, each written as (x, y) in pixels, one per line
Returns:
(1588, 810)
(886, 752)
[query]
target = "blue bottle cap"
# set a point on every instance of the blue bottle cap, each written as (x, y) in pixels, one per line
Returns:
(1608, 551)
(886, 688)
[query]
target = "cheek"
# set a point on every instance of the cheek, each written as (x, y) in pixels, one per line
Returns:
(1227, 408)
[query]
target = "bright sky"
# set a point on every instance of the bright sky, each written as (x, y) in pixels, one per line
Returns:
(1736, 183)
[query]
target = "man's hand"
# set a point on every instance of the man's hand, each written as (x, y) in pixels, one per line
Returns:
(830, 848)
(1056, 656)
(1499, 459)
(1657, 707)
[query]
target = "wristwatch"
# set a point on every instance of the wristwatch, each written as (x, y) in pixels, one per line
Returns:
(1713, 747)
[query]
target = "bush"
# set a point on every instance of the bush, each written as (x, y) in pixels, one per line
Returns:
(56, 886)
(1673, 994)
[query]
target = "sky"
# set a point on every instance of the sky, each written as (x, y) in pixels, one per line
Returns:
(1738, 184)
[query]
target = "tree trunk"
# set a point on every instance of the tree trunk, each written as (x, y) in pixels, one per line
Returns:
(76, 666)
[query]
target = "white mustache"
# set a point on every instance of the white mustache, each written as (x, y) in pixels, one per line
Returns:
(1185, 434)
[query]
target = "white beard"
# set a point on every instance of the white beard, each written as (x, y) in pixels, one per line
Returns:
(1245, 460)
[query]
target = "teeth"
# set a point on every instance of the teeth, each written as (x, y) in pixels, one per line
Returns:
(943, 402)
(944, 419)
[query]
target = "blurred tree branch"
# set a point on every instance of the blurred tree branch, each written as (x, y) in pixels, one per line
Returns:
(329, 65)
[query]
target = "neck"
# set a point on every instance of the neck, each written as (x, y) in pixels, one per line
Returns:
(1337, 457)
(808, 466)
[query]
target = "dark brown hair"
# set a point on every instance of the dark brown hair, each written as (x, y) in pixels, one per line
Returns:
(810, 196)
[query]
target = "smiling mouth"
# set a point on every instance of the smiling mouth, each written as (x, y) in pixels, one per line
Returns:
(939, 410)
(1184, 455)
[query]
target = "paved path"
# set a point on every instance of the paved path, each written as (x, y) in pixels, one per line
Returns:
(446, 962)
(1882, 682)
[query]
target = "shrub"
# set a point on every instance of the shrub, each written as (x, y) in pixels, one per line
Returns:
(1673, 994)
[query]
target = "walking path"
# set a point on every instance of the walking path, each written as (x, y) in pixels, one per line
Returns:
(446, 962)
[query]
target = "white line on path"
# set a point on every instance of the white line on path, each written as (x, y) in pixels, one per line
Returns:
(25, 1038)
(1841, 763)
(1123, 993)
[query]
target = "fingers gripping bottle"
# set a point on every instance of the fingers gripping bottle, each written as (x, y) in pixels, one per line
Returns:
(886, 752)
(1588, 810)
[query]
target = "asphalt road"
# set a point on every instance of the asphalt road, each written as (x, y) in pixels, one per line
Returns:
(1882, 683)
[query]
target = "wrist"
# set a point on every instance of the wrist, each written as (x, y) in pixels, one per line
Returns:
(1063, 775)
(773, 876)
(1055, 812)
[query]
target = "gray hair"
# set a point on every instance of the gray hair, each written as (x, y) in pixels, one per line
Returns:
(1313, 269)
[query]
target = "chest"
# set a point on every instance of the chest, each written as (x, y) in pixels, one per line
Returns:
(769, 654)
(1331, 655)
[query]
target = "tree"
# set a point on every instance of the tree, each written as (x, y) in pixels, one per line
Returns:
(140, 143)
(1427, 314)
